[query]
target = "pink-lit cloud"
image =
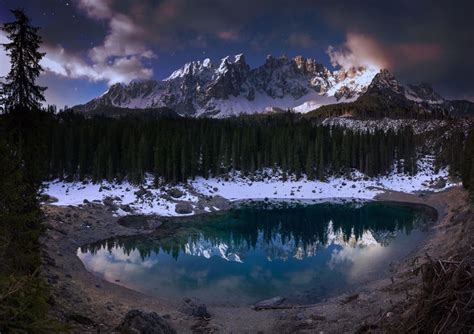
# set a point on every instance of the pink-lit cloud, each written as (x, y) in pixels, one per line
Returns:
(228, 35)
(358, 50)
(364, 50)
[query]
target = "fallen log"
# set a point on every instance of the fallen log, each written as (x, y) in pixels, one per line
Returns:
(283, 307)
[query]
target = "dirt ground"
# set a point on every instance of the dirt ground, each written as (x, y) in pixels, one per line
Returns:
(92, 305)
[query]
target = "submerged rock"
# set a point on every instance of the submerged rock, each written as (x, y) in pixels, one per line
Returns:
(139, 322)
(269, 303)
(193, 307)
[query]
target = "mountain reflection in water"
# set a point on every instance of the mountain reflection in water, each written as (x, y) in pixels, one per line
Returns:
(305, 252)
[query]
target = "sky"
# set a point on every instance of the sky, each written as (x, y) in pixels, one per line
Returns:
(91, 44)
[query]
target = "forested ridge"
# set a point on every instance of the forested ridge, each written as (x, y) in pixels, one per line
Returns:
(174, 150)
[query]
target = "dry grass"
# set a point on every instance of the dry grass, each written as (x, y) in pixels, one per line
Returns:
(446, 301)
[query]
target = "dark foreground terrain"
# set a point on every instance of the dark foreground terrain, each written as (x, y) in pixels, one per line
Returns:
(89, 304)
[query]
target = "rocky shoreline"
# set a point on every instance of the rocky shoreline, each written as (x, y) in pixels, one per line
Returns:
(90, 304)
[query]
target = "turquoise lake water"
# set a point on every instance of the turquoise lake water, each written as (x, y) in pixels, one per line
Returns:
(304, 252)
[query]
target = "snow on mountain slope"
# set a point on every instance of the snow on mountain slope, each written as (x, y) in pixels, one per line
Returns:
(231, 87)
(386, 87)
(423, 93)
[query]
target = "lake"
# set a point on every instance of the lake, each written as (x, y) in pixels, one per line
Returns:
(305, 252)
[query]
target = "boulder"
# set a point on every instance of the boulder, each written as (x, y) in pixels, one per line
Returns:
(439, 184)
(269, 303)
(79, 318)
(175, 193)
(184, 208)
(45, 198)
(139, 322)
(126, 208)
(141, 192)
(103, 187)
(193, 307)
(220, 202)
(108, 201)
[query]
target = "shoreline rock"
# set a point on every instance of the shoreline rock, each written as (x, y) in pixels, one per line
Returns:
(136, 321)
(268, 303)
(193, 307)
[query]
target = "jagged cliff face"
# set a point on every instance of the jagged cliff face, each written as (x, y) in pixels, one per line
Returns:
(201, 88)
(231, 88)
(386, 85)
(388, 92)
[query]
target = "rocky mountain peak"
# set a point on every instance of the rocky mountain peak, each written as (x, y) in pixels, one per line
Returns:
(386, 80)
(230, 87)
(191, 69)
(309, 66)
(423, 92)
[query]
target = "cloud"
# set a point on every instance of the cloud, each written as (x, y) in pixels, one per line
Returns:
(120, 57)
(98, 9)
(416, 53)
(421, 41)
(301, 40)
(425, 40)
(358, 50)
(365, 50)
(124, 39)
(228, 35)
(119, 69)
(4, 59)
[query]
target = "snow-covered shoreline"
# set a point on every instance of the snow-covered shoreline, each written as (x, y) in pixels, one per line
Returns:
(147, 199)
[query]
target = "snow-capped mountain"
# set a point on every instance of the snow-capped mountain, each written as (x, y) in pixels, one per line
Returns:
(231, 87)
(385, 84)
(386, 97)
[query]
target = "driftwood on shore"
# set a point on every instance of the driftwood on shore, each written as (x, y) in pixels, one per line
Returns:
(283, 307)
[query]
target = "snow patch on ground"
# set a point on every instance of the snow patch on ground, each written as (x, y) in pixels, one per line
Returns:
(385, 124)
(357, 186)
(155, 201)
(266, 184)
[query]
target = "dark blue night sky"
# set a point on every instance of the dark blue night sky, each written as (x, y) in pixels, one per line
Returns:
(91, 44)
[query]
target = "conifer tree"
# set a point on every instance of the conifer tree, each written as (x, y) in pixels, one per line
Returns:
(20, 90)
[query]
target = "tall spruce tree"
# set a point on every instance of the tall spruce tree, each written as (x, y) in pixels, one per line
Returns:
(20, 90)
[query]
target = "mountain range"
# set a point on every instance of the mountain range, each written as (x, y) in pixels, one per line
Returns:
(231, 88)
